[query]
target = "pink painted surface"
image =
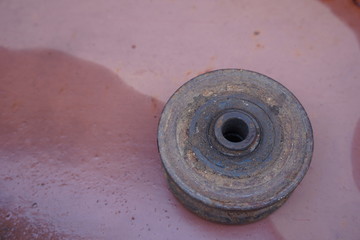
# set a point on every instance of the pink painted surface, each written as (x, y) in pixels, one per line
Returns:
(82, 85)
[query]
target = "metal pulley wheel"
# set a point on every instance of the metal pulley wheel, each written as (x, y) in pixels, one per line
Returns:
(234, 145)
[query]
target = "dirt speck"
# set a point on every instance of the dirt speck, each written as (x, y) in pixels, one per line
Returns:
(8, 216)
(133, 46)
(15, 105)
(61, 90)
(259, 46)
(256, 33)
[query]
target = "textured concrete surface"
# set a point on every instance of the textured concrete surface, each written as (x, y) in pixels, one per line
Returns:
(82, 85)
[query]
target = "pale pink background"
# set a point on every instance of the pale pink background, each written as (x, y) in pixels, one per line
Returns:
(82, 84)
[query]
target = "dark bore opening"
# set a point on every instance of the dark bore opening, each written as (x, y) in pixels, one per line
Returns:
(235, 130)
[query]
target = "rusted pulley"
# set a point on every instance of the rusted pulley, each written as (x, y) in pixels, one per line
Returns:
(234, 145)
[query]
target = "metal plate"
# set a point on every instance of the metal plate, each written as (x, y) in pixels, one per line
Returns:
(234, 145)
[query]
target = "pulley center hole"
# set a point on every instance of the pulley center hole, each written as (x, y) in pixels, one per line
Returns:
(235, 130)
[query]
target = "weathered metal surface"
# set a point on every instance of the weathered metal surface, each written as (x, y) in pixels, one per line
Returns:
(234, 145)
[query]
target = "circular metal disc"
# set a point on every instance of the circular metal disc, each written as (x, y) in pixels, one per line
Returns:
(234, 144)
